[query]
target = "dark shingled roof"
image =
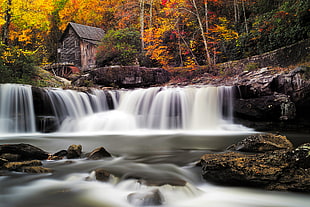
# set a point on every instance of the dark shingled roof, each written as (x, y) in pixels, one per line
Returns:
(88, 33)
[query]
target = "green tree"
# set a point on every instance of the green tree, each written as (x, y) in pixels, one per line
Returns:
(16, 65)
(119, 47)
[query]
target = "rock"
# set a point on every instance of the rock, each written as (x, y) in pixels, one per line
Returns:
(24, 152)
(296, 180)
(74, 151)
(18, 166)
(150, 198)
(36, 170)
(302, 155)
(10, 157)
(58, 155)
(267, 161)
(98, 153)
(262, 143)
(129, 76)
(161, 182)
(61, 153)
(2, 161)
(243, 169)
(272, 107)
(102, 175)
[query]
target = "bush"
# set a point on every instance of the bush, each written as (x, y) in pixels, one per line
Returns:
(119, 47)
(16, 65)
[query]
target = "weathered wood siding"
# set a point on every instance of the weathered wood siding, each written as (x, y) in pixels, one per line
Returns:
(88, 55)
(70, 49)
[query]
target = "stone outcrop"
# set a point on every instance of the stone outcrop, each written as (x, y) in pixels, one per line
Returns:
(125, 76)
(264, 160)
(271, 95)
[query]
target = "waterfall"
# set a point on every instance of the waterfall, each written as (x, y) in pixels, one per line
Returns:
(204, 108)
(16, 109)
(161, 108)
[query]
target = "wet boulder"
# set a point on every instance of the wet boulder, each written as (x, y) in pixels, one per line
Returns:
(301, 155)
(262, 143)
(98, 153)
(22, 152)
(234, 168)
(18, 166)
(149, 198)
(266, 161)
(74, 151)
(102, 175)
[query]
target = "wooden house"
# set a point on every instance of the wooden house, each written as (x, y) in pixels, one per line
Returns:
(78, 45)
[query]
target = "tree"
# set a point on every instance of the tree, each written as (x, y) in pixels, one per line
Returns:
(119, 47)
(7, 21)
(16, 65)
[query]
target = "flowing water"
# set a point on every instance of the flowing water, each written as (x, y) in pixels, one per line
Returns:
(155, 135)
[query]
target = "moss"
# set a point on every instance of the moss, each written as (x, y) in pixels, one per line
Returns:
(251, 66)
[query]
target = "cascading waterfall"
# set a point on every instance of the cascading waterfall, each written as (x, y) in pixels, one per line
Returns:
(16, 109)
(204, 108)
(162, 108)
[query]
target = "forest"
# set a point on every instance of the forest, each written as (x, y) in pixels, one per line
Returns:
(161, 33)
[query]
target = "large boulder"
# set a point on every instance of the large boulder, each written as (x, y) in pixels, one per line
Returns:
(262, 143)
(129, 76)
(270, 94)
(266, 161)
(22, 152)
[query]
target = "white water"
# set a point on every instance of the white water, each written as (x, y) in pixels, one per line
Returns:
(16, 109)
(195, 109)
(156, 134)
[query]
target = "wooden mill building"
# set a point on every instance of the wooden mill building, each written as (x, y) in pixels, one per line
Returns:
(78, 45)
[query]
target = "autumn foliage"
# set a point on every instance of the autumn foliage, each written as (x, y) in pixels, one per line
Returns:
(172, 33)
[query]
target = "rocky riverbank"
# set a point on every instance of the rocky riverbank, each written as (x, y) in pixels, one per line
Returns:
(266, 161)
(270, 98)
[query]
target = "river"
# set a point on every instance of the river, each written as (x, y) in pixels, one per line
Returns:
(146, 149)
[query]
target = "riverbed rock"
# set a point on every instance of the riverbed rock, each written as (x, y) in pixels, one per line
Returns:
(37, 170)
(301, 155)
(269, 165)
(102, 175)
(74, 151)
(262, 143)
(22, 152)
(98, 153)
(18, 166)
(149, 198)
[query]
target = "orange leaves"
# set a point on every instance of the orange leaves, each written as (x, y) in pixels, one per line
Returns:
(223, 31)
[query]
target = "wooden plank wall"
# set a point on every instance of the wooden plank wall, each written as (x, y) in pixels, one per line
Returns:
(70, 49)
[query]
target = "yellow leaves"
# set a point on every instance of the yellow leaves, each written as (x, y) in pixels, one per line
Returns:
(25, 36)
(223, 31)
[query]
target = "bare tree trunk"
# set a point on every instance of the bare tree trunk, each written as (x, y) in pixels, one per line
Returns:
(7, 19)
(142, 8)
(236, 10)
(205, 40)
(151, 14)
(245, 19)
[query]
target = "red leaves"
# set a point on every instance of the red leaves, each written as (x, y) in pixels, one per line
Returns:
(164, 2)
